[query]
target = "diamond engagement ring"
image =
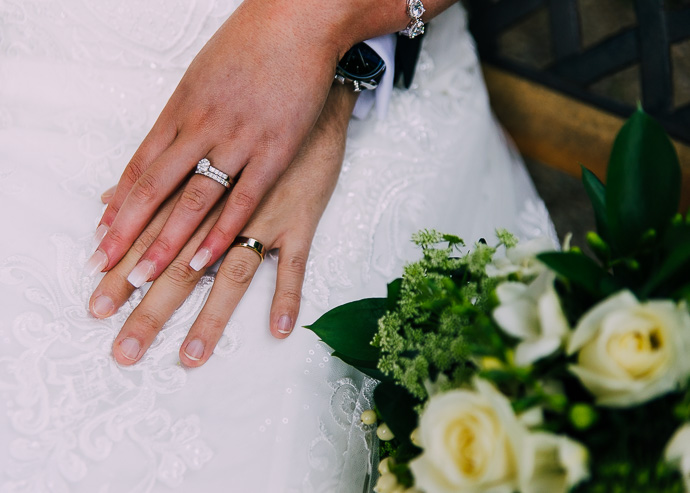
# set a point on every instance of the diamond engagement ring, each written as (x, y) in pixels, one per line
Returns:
(205, 168)
(251, 243)
(415, 10)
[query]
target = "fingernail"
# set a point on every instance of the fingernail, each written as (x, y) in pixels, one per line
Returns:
(108, 194)
(102, 306)
(200, 260)
(194, 350)
(98, 236)
(96, 263)
(284, 324)
(130, 348)
(141, 273)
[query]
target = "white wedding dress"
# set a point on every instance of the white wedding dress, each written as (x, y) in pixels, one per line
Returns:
(81, 82)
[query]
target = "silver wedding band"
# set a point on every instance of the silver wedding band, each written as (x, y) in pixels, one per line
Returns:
(205, 168)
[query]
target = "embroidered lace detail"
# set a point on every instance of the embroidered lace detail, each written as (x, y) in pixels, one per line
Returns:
(71, 404)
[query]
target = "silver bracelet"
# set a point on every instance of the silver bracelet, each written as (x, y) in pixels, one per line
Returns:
(415, 9)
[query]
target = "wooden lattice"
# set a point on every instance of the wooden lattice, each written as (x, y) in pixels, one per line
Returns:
(575, 68)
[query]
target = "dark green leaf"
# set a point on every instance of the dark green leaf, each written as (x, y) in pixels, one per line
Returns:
(394, 293)
(597, 195)
(365, 366)
(677, 258)
(580, 270)
(396, 406)
(350, 328)
(642, 183)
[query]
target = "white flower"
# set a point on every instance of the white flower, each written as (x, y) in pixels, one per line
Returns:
(630, 352)
(472, 442)
(533, 314)
(678, 452)
(522, 259)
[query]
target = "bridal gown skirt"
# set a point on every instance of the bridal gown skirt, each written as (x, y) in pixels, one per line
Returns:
(81, 82)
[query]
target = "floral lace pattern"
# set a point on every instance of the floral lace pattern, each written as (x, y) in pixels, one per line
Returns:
(73, 418)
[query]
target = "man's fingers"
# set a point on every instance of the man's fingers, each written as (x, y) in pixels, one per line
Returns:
(292, 263)
(155, 185)
(232, 280)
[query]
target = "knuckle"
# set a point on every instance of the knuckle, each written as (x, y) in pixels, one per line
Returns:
(116, 237)
(181, 274)
(145, 240)
(296, 264)
(223, 235)
(291, 296)
(134, 170)
(145, 189)
(242, 202)
(212, 320)
(192, 200)
(165, 246)
(148, 323)
(237, 272)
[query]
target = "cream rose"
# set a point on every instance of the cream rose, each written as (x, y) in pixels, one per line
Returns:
(630, 352)
(533, 314)
(472, 442)
(678, 452)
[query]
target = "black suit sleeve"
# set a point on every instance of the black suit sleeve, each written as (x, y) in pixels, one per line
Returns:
(406, 55)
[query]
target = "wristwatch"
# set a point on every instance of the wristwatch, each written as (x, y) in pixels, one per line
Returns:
(362, 67)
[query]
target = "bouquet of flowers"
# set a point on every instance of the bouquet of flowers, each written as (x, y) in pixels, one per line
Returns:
(513, 367)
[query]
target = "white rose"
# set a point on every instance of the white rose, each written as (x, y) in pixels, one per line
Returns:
(678, 452)
(533, 314)
(472, 442)
(522, 259)
(630, 352)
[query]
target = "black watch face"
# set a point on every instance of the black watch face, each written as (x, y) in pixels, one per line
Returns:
(361, 62)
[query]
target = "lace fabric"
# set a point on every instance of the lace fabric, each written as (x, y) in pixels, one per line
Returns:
(80, 85)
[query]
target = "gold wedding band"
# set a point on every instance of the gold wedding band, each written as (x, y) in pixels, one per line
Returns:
(252, 244)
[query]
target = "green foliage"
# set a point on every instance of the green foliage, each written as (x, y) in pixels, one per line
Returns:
(643, 182)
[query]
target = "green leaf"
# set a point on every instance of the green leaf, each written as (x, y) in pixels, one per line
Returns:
(350, 328)
(394, 293)
(642, 183)
(365, 366)
(396, 406)
(581, 270)
(678, 258)
(596, 191)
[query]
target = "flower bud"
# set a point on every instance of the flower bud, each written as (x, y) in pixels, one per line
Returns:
(384, 433)
(583, 416)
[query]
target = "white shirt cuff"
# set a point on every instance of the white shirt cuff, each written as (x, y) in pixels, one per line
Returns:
(384, 46)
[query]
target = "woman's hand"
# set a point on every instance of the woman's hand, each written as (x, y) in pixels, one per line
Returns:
(286, 219)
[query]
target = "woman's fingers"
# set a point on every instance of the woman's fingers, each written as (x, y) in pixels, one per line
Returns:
(232, 280)
(154, 144)
(198, 196)
(292, 263)
(155, 185)
(114, 290)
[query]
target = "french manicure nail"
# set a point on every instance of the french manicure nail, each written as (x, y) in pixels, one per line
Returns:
(130, 348)
(96, 263)
(285, 324)
(108, 194)
(194, 350)
(98, 236)
(200, 260)
(141, 273)
(102, 306)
